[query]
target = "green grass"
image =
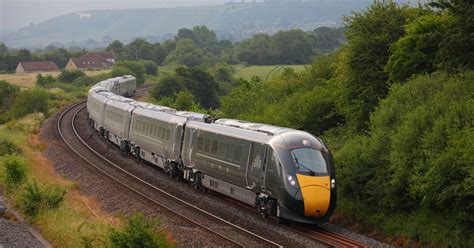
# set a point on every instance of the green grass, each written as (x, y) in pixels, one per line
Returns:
(262, 71)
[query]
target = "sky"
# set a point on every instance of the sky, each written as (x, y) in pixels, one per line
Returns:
(15, 14)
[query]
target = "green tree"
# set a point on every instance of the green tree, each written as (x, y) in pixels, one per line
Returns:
(256, 50)
(68, 76)
(150, 67)
(370, 35)
(291, 47)
(135, 67)
(187, 53)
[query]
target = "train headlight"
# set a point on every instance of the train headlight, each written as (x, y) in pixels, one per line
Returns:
(292, 182)
(333, 183)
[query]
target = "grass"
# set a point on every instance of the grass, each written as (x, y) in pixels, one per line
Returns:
(262, 71)
(28, 80)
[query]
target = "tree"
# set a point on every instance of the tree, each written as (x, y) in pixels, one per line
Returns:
(115, 47)
(370, 35)
(186, 53)
(291, 47)
(68, 76)
(256, 50)
(3, 49)
(150, 67)
(135, 67)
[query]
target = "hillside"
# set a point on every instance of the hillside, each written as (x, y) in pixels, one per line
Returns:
(234, 21)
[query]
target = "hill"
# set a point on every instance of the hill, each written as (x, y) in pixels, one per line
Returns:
(233, 21)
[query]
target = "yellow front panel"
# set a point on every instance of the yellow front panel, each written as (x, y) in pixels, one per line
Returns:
(316, 194)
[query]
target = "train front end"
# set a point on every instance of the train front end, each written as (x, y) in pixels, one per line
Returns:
(309, 178)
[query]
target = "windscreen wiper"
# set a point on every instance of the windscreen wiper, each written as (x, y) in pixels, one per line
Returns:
(312, 173)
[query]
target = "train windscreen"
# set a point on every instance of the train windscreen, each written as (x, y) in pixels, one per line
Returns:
(309, 161)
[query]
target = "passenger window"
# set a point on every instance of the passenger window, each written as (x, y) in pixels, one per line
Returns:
(163, 133)
(200, 143)
(207, 144)
(168, 131)
(221, 152)
(229, 152)
(214, 147)
(238, 153)
(155, 130)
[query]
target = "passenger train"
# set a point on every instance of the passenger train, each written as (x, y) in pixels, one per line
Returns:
(280, 171)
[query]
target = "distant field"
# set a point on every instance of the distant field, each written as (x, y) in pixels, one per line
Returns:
(29, 79)
(263, 71)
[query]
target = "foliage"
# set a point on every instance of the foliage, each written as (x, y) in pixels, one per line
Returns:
(8, 93)
(43, 81)
(68, 76)
(419, 150)
(15, 171)
(118, 71)
(188, 54)
(198, 82)
(8, 147)
(28, 101)
(37, 197)
(135, 67)
(137, 232)
(370, 35)
(150, 67)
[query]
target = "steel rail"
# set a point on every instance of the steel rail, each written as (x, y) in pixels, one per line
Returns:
(327, 237)
(150, 185)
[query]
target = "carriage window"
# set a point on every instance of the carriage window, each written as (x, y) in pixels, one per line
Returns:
(163, 133)
(238, 153)
(221, 151)
(155, 130)
(229, 152)
(214, 147)
(168, 131)
(207, 145)
(200, 143)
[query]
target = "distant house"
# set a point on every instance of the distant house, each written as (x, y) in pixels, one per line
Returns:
(107, 56)
(36, 66)
(87, 62)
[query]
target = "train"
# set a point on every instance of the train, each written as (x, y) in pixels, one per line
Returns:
(281, 172)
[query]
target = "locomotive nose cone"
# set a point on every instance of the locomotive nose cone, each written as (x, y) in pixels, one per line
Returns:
(316, 194)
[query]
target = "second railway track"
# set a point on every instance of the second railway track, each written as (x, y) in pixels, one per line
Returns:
(229, 233)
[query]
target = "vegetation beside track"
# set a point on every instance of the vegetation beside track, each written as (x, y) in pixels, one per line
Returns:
(53, 204)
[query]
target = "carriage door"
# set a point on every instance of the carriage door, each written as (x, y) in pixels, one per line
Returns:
(256, 166)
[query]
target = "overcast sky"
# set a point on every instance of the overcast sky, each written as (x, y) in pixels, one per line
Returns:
(15, 14)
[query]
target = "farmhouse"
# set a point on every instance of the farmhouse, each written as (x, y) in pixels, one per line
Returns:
(36, 66)
(107, 56)
(87, 62)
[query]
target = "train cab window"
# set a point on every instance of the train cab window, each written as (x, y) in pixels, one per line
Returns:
(309, 161)
(200, 143)
(168, 132)
(214, 147)
(238, 153)
(207, 145)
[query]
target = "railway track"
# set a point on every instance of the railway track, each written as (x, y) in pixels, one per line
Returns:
(321, 235)
(231, 233)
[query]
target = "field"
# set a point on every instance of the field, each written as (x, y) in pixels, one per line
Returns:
(29, 79)
(263, 71)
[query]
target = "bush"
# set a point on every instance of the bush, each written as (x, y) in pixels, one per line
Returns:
(7, 147)
(43, 81)
(15, 171)
(137, 232)
(68, 76)
(38, 197)
(150, 67)
(29, 101)
(118, 71)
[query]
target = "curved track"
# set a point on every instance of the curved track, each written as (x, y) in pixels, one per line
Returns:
(232, 234)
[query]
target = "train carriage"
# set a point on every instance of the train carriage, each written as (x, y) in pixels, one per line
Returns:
(117, 120)
(155, 136)
(96, 108)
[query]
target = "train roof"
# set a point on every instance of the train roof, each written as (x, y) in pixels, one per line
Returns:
(257, 127)
(159, 115)
(193, 116)
(239, 133)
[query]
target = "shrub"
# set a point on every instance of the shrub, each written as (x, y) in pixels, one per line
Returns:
(118, 71)
(43, 81)
(68, 76)
(7, 147)
(150, 67)
(137, 232)
(29, 101)
(15, 171)
(38, 197)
